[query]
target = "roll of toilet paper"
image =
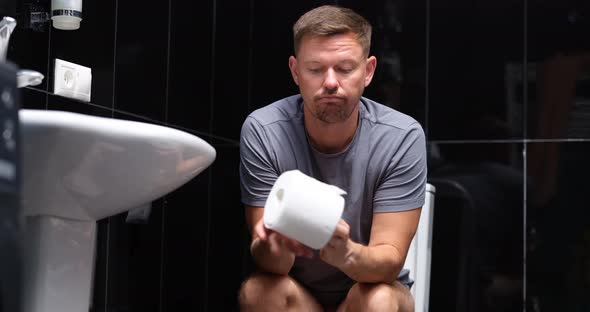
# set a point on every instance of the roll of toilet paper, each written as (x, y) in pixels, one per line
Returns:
(303, 208)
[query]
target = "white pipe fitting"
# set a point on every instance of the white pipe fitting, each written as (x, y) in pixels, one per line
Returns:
(66, 14)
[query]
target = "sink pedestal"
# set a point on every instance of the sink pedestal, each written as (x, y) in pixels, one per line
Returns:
(78, 169)
(59, 263)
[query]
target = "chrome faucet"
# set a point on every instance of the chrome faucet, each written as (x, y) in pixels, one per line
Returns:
(24, 77)
(27, 77)
(7, 25)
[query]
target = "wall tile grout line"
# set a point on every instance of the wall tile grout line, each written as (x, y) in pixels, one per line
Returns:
(114, 86)
(525, 150)
(235, 142)
(164, 199)
(168, 43)
(524, 227)
(47, 79)
(250, 67)
(71, 99)
(162, 252)
(113, 90)
(427, 72)
(485, 141)
(525, 72)
(106, 282)
(212, 68)
(224, 139)
(210, 177)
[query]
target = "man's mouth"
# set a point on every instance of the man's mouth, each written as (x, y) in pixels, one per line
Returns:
(330, 99)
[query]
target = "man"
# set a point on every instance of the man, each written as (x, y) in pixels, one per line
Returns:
(332, 133)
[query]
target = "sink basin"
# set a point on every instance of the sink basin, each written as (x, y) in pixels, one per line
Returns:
(78, 169)
(87, 168)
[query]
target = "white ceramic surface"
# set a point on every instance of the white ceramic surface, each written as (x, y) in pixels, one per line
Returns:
(418, 259)
(59, 264)
(78, 169)
(87, 168)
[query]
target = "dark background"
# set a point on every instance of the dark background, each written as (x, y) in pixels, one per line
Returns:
(502, 89)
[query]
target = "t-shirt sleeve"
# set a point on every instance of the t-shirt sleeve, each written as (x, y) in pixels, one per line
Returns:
(403, 184)
(257, 172)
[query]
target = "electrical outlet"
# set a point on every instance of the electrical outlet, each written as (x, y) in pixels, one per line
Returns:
(72, 80)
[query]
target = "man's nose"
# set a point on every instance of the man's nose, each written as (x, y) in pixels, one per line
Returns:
(331, 81)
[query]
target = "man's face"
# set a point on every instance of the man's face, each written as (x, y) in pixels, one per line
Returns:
(332, 73)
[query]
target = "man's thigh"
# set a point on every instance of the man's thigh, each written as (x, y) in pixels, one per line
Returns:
(262, 289)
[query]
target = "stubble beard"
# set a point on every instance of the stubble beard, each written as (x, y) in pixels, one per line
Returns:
(331, 116)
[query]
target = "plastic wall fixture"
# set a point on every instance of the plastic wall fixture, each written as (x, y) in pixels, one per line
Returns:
(66, 14)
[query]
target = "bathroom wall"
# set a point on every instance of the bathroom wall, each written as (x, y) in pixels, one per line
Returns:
(501, 88)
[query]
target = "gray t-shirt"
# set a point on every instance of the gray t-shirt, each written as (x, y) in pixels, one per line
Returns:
(382, 170)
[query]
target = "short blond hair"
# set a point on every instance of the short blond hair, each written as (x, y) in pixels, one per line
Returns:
(328, 20)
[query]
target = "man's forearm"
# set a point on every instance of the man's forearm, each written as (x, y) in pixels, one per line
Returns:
(268, 262)
(372, 264)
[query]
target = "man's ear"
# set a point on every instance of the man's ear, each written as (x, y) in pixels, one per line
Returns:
(370, 69)
(293, 68)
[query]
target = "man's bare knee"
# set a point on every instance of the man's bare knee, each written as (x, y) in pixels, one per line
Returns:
(379, 297)
(267, 292)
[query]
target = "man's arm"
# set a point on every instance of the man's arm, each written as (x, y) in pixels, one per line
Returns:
(384, 257)
(272, 252)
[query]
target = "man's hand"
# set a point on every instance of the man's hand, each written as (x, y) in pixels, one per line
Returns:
(280, 244)
(339, 249)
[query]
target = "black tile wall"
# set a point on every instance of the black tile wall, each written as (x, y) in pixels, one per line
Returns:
(185, 257)
(141, 57)
(227, 239)
(271, 47)
(96, 33)
(399, 44)
(33, 99)
(56, 102)
(478, 227)
(134, 267)
(457, 67)
(191, 64)
(475, 59)
(232, 67)
(29, 43)
(559, 58)
(558, 225)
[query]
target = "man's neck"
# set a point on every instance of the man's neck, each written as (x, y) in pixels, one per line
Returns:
(331, 138)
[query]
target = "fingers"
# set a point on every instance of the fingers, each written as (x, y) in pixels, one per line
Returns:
(340, 236)
(336, 242)
(274, 241)
(298, 248)
(342, 231)
(279, 243)
(260, 230)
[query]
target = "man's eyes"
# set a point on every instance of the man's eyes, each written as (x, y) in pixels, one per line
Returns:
(344, 70)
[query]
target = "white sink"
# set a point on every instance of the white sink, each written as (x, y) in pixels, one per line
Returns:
(78, 169)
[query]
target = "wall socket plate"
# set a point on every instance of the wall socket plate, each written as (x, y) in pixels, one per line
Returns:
(72, 80)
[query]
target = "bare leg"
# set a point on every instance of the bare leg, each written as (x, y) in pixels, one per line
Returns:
(270, 292)
(378, 297)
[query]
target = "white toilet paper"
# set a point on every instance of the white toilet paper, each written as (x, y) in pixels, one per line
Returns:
(303, 208)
